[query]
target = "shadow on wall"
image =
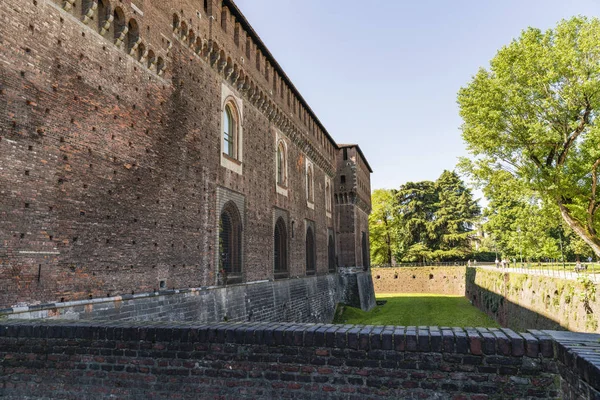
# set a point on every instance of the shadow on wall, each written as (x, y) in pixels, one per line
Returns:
(507, 313)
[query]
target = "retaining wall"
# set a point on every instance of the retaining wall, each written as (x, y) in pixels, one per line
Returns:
(439, 280)
(302, 361)
(522, 301)
(311, 299)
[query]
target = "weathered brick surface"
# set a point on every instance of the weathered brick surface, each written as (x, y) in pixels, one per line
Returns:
(257, 360)
(110, 162)
(310, 299)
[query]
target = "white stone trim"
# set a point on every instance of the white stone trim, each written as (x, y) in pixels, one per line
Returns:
(280, 138)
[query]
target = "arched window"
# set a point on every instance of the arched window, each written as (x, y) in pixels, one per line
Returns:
(310, 184)
(365, 252)
(311, 254)
(280, 254)
(331, 254)
(230, 129)
(230, 244)
(281, 165)
(327, 196)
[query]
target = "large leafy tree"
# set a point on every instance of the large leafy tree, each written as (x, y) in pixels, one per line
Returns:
(533, 114)
(518, 222)
(383, 227)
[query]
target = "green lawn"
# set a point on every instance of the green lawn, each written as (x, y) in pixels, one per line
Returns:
(418, 310)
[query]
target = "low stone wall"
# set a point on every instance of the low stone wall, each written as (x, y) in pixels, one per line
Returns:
(439, 280)
(521, 301)
(60, 359)
(311, 299)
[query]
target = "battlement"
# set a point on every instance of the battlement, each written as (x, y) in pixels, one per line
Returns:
(219, 34)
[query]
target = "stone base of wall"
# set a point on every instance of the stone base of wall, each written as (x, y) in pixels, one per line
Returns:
(311, 299)
(439, 280)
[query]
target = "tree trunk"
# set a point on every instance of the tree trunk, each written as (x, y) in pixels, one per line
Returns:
(579, 229)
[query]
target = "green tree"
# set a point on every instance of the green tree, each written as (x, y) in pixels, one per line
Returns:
(383, 227)
(533, 114)
(518, 222)
(416, 205)
(451, 228)
(435, 219)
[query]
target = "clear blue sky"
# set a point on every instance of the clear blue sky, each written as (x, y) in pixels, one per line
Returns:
(385, 73)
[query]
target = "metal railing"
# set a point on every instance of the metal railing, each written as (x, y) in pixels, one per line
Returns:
(558, 269)
(426, 264)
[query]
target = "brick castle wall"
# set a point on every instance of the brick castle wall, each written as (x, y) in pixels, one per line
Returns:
(111, 177)
(438, 280)
(264, 361)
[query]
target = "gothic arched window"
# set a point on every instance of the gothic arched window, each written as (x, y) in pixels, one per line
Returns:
(280, 254)
(281, 165)
(230, 244)
(230, 129)
(310, 184)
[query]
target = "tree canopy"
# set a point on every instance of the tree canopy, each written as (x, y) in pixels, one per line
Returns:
(423, 221)
(532, 116)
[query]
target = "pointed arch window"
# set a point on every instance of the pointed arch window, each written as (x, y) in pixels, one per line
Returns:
(311, 254)
(280, 255)
(281, 165)
(230, 244)
(310, 184)
(328, 204)
(230, 129)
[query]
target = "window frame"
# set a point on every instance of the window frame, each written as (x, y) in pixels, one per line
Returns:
(232, 240)
(233, 161)
(328, 197)
(229, 146)
(309, 187)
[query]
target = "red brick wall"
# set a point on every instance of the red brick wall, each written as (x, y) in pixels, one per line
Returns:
(278, 361)
(437, 280)
(109, 169)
